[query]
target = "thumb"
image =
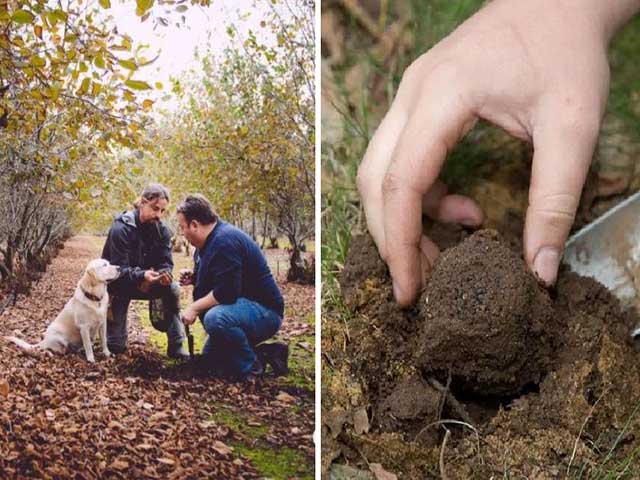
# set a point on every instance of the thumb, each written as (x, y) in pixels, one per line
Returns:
(560, 164)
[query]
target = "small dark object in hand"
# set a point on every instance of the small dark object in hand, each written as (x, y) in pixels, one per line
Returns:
(189, 339)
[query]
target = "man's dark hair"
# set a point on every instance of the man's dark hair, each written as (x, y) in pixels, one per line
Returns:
(152, 192)
(197, 207)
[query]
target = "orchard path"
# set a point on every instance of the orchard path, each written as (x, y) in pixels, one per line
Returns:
(138, 415)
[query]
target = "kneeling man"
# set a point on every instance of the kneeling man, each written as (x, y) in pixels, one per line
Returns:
(234, 294)
(140, 244)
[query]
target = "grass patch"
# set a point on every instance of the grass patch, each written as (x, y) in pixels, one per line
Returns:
(276, 463)
(238, 423)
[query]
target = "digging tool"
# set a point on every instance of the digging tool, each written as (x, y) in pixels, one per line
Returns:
(608, 249)
(189, 339)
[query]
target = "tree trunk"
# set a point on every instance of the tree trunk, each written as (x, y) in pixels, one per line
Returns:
(296, 264)
(299, 271)
(253, 226)
(264, 230)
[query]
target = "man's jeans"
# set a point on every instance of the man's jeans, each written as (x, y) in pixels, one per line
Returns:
(233, 332)
(117, 325)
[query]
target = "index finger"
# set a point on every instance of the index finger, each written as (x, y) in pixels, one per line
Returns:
(431, 132)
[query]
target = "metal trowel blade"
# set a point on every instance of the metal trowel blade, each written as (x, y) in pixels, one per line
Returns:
(608, 249)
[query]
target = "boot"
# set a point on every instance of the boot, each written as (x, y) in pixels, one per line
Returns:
(275, 354)
(177, 351)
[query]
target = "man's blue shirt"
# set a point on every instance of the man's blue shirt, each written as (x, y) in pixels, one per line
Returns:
(231, 265)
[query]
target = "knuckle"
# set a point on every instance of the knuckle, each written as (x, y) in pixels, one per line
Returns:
(556, 209)
(391, 184)
(445, 72)
(580, 119)
(410, 74)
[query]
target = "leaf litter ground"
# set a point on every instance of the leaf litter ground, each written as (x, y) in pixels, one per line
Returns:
(138, 415)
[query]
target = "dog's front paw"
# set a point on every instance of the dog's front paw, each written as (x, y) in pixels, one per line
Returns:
(107, 353)
(91, 359)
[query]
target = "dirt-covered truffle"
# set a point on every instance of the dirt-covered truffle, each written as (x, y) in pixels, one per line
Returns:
(483, 316)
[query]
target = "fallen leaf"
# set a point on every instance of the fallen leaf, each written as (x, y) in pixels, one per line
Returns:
(4, 388)
(166, 461)
(285, 397)
(119, 465)
(361, 421)
(344, 472)
(380, 473)
(207, 424)
(221, 448)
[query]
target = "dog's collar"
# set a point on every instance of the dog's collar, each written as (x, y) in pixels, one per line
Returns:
(90, 296)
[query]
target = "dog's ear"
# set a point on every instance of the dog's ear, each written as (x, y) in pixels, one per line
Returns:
(90, 279)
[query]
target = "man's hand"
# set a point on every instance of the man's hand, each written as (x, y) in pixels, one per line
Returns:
(519, 66)
(165, 279)
(186, 277)
(150, 277)
(189, 316)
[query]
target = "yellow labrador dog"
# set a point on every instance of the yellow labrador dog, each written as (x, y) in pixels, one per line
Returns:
(84, 315)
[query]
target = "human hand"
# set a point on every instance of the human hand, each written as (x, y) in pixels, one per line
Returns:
(150, 277)
(186, 277)
(189, 316)
(517, 65)
(165, 278)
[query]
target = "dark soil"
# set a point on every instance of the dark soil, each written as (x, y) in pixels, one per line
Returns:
(546, 383)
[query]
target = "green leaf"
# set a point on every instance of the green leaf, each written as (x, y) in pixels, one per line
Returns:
(22, 16)
(105, 3)
(99, 61)
(144, 5)
(37, 61)
(60, 15)
(182, 8)
(128, 64)
(137, 85)
(84, 87)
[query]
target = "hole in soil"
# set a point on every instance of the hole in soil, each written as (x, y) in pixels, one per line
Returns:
(483, 408)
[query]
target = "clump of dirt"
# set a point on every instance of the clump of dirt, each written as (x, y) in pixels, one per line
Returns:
(540, 382)
(485, 319)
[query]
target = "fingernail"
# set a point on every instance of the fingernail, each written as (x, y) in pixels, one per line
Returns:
(469, 222)
(546, 263)
(396, 291)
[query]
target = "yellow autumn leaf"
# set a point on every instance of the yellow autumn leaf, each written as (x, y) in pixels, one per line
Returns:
(37, 61)
(22, 17)
(84, 86)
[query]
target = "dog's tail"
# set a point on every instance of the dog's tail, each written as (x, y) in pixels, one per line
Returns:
(21, 343)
